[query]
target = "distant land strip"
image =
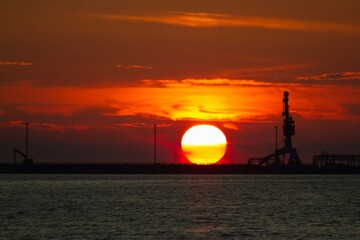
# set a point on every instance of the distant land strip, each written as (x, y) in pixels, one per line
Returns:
(116, 168)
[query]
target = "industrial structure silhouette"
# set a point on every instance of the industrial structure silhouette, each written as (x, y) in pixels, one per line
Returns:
(279, 156)
(282, 160)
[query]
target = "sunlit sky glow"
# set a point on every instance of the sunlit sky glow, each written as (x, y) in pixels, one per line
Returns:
(92, 77)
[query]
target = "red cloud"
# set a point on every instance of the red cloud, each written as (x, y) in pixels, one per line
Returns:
(14, 63)
(206, 20)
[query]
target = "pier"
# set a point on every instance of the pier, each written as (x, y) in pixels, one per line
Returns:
(336, 160)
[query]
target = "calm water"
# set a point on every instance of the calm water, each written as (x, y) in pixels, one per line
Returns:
(180, 207)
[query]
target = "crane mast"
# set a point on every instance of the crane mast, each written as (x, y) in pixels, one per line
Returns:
(288, 124)
(289, 131)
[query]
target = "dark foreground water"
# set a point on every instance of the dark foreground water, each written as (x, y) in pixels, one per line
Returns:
(179, 206)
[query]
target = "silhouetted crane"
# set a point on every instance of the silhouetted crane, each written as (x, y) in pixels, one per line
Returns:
(289, 131)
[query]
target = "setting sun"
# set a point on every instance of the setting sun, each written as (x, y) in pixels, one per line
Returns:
(204, 144)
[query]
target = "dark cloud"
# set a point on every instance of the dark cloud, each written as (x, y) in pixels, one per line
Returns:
(140, 125)
(340, 78)
(133, 67)
(205, 109)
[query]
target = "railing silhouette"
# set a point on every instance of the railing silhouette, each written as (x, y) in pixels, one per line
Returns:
(328, 160)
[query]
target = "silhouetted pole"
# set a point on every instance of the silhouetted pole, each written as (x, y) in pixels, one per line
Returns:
(27, 140)
(276, 138)
(154, 143)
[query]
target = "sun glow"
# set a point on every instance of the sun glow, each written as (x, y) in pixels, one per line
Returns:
(204, 144)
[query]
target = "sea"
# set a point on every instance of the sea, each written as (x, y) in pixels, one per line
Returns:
(179, 206)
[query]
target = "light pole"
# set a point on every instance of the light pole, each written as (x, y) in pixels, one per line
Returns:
(27, 140)
(154, 144)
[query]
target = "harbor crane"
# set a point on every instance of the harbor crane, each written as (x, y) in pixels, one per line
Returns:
(280, 155)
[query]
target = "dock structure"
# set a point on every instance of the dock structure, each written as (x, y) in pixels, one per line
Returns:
(332, 160)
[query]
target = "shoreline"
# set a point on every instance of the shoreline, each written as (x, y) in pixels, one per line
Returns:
(113, 168)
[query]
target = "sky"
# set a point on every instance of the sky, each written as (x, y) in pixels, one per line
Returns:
(92, 77)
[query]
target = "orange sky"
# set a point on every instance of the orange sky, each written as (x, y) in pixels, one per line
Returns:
(93, 76)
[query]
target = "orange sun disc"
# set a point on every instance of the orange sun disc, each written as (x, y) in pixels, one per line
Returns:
(204, 144)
